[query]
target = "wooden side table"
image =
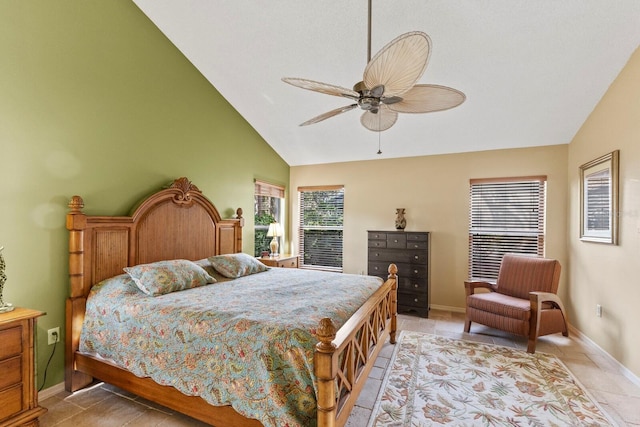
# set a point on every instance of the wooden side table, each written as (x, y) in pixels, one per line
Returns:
(283, 261)
(18, 393)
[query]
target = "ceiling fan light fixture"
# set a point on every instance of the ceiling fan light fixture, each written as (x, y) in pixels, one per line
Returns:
(389, 84)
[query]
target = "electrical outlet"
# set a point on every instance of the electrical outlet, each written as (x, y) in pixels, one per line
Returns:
(53, 335)
(598, 310)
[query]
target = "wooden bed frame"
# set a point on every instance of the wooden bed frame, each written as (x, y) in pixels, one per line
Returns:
(179, 222)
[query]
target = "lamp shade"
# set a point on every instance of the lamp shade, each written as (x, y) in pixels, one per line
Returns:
(275, 230)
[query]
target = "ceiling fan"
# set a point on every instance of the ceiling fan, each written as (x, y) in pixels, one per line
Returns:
(388, 86)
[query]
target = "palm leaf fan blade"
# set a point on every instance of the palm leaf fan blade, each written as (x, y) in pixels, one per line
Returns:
(325, 88)
(328, 114)
(400, 64)
(427, 99)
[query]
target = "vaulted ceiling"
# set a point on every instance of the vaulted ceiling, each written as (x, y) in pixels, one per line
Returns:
(532, 71)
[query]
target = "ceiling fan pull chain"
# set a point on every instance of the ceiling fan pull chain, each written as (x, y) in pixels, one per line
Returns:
(379, 151)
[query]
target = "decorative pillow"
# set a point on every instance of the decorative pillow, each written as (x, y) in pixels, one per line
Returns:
(206, 265)
(163, 277)
(237, 265)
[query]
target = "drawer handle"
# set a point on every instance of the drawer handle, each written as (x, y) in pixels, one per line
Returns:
(416, 257)
(377, 254)
(395, 241)
(415, 299)
(415, 285)
(415, 246)
(415, 271)
(375, 268)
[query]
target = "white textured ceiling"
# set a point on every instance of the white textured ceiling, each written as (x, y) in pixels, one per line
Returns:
(532, 70)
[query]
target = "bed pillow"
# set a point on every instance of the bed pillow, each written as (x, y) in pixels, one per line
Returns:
(163, 277)
(237, 265)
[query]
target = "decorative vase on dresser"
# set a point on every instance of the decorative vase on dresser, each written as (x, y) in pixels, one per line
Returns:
(18, 394)
(409, 250)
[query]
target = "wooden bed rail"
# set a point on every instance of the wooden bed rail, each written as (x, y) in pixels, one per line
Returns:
(341, 357)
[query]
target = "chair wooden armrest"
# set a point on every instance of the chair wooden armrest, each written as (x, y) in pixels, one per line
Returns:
(538, 298)
(471, 285)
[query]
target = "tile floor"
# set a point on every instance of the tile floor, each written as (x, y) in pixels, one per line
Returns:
(106, 406)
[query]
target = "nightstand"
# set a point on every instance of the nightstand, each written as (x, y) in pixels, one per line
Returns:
(284, 261)
(18, 394)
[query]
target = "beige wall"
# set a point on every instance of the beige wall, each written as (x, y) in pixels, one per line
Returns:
(605, 274)
(434, 190)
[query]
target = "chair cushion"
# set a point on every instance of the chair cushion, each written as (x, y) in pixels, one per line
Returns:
(520, 275)
(501, 305)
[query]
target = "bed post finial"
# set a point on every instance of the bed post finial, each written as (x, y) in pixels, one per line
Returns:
(326, 333)
(76, 204)
(239, 216)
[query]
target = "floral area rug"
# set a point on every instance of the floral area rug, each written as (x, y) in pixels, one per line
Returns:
(435, 380)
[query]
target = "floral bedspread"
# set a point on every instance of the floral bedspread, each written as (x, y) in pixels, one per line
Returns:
(247, 342)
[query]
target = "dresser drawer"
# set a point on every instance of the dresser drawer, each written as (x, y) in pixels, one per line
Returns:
(414, 300)
(380, 269)
(404, 270)
(398, 256)
(11, 339)
(417, 237)
(11, 371)
(288, 263)
(376, 235)
(397, 241)
(412, 271)
(412, 285)
(424, 245)
(10, 401)
(378, 243)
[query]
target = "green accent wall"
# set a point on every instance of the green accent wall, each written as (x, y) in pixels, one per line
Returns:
(95, 101)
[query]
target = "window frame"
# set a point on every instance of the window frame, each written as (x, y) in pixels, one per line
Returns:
(264, 189)
(303, 261)
(489, 236)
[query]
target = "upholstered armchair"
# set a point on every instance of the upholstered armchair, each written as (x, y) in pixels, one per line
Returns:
(523, 300)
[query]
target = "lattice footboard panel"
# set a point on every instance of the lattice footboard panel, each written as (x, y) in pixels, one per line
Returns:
(353, 365)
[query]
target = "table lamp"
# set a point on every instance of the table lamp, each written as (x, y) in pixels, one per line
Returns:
(275, 231)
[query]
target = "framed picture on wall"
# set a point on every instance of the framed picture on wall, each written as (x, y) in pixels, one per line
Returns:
(599, 199)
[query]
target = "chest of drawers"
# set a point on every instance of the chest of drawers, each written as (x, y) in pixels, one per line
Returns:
(18, 395)
(409, 250)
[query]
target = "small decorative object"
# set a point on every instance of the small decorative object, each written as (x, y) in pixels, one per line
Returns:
(401, 222)
(275, 231)
(4, 306)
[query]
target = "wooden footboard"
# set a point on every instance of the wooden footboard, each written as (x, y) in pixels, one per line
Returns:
(344, 358)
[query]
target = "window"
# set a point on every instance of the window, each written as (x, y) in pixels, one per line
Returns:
(505, 215)
(321, 223)
(268, 201)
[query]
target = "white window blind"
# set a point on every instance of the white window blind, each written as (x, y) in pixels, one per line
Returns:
(506, 215)
(321, 227)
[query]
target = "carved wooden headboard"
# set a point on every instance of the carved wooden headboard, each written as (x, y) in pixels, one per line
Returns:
(176, 222)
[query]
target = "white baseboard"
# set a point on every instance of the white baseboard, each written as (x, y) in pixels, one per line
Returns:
(447, 308)
(623, 369)
(51, 391)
